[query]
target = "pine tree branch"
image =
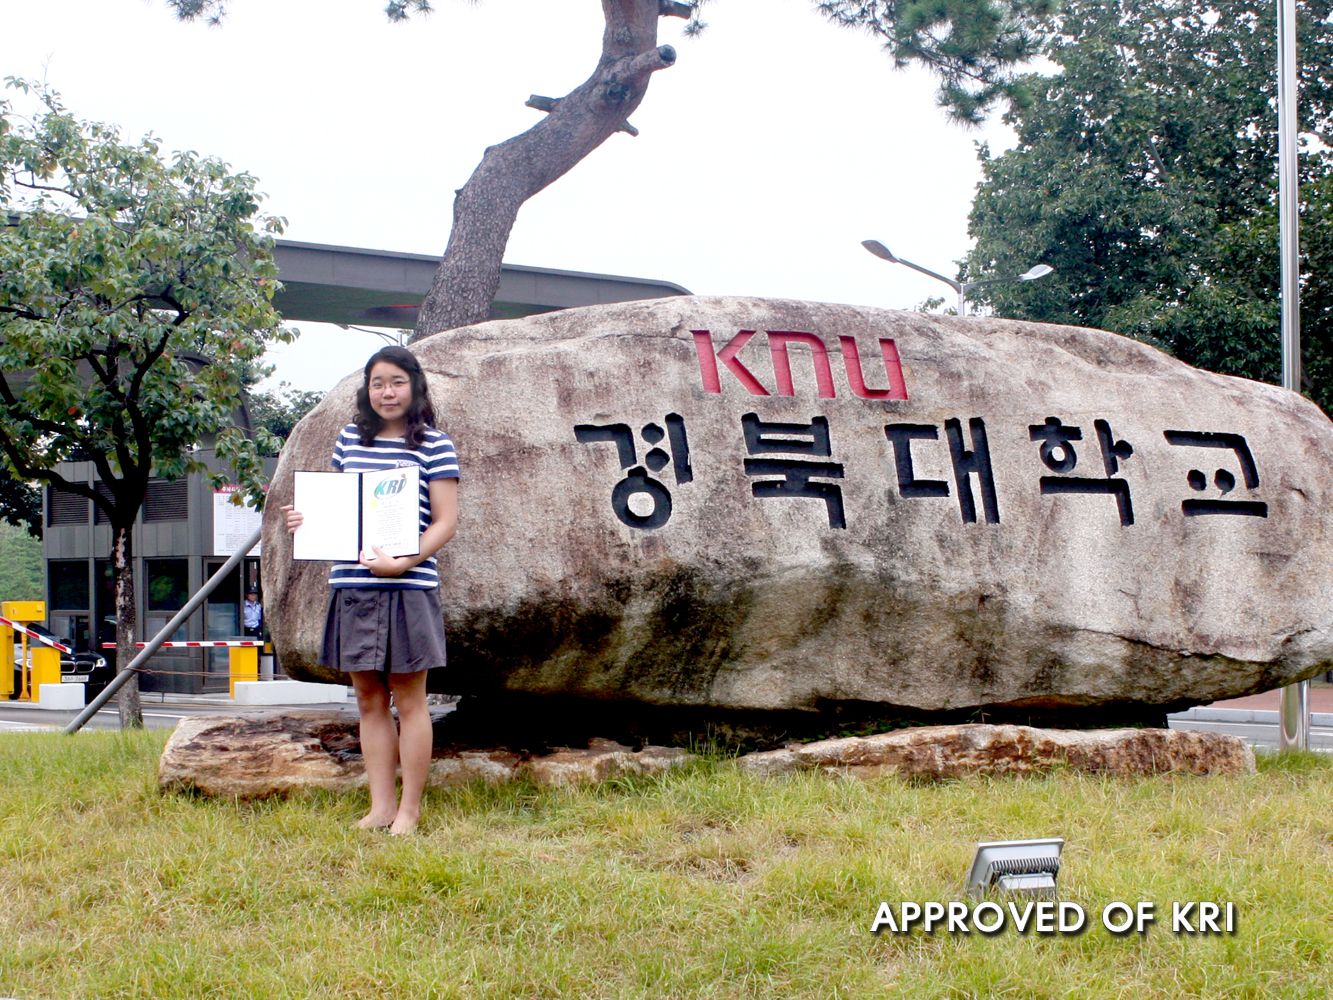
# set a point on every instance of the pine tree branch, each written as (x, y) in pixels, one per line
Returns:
(513, 171)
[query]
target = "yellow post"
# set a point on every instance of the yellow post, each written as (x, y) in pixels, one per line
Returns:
(24, 669)
(244, 662)
(6, 662)
(45, 669)
(24, 611)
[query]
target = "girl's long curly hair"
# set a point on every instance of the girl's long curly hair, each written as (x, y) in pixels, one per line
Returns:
(420, 414)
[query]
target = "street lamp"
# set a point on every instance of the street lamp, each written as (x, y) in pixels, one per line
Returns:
(962, 288)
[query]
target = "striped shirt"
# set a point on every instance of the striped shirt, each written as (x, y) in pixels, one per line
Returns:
(437, 460)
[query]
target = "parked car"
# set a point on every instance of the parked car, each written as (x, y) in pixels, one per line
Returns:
(87, 667)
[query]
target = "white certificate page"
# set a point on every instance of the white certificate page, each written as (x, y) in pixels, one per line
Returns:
(391, 510)
(329, 501)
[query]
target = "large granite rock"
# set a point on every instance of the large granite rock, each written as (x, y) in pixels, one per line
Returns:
(661, 507)
(936, 753)
(259, 754)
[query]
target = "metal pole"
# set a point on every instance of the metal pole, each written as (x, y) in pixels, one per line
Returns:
(1289, 196)
(1294, 710)
(1294, 717)
(962, 302)
(156, 642)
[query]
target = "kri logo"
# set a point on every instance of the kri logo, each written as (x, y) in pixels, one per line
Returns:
(391, 486)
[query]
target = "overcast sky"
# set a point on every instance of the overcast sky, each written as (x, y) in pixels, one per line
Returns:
(766, 154)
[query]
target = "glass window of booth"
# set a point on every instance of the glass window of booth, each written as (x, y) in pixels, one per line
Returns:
(168, 583)
(67, 581)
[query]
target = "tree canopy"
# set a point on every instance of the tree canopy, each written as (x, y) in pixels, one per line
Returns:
(279, 410)
(20, 566)
(134, 294)
(20, 503)
(972, 46)
(1145, 174)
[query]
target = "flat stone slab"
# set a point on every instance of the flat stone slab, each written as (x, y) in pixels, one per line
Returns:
(940, 752)
(260, 754)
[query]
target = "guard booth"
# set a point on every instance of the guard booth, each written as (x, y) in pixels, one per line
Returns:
(186, 531)
(184, 534)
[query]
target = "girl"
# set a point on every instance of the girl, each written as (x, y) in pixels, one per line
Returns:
(384, 625)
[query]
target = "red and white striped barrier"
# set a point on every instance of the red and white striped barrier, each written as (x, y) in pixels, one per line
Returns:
(33, 635)
(182, 645)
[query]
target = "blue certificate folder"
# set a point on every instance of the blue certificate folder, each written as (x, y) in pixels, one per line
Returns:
(348, 512)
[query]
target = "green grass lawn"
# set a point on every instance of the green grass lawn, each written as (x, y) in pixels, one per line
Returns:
(702, 884)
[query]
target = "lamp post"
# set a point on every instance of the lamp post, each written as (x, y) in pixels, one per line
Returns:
(961, 287)
(1294, 703)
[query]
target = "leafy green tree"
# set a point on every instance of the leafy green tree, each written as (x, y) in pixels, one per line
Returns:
(279, 410)
(20, 503)
(20, 566)
(1145, 174)
(972, 45)
(133, 292)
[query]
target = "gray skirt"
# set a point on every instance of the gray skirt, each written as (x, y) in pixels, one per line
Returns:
(398, 631)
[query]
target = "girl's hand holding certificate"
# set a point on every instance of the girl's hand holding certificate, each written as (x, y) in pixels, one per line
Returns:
(381, 563)
(375, 559)
(294, 518)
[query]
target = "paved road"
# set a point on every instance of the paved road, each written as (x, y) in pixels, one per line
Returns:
(1260, 735)
(156, 715)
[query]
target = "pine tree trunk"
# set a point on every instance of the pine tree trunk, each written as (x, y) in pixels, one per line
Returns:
(122, 561)
(512, 172)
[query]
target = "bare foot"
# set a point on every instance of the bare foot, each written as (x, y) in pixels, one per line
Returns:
(375, 821)
(405, 823)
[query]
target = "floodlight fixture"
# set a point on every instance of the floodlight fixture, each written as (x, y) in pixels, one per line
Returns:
(961, 288)
(1030, 867)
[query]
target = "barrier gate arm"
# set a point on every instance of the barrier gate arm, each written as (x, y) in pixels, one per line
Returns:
(152, 646)
(17, 627)
(195, 645)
